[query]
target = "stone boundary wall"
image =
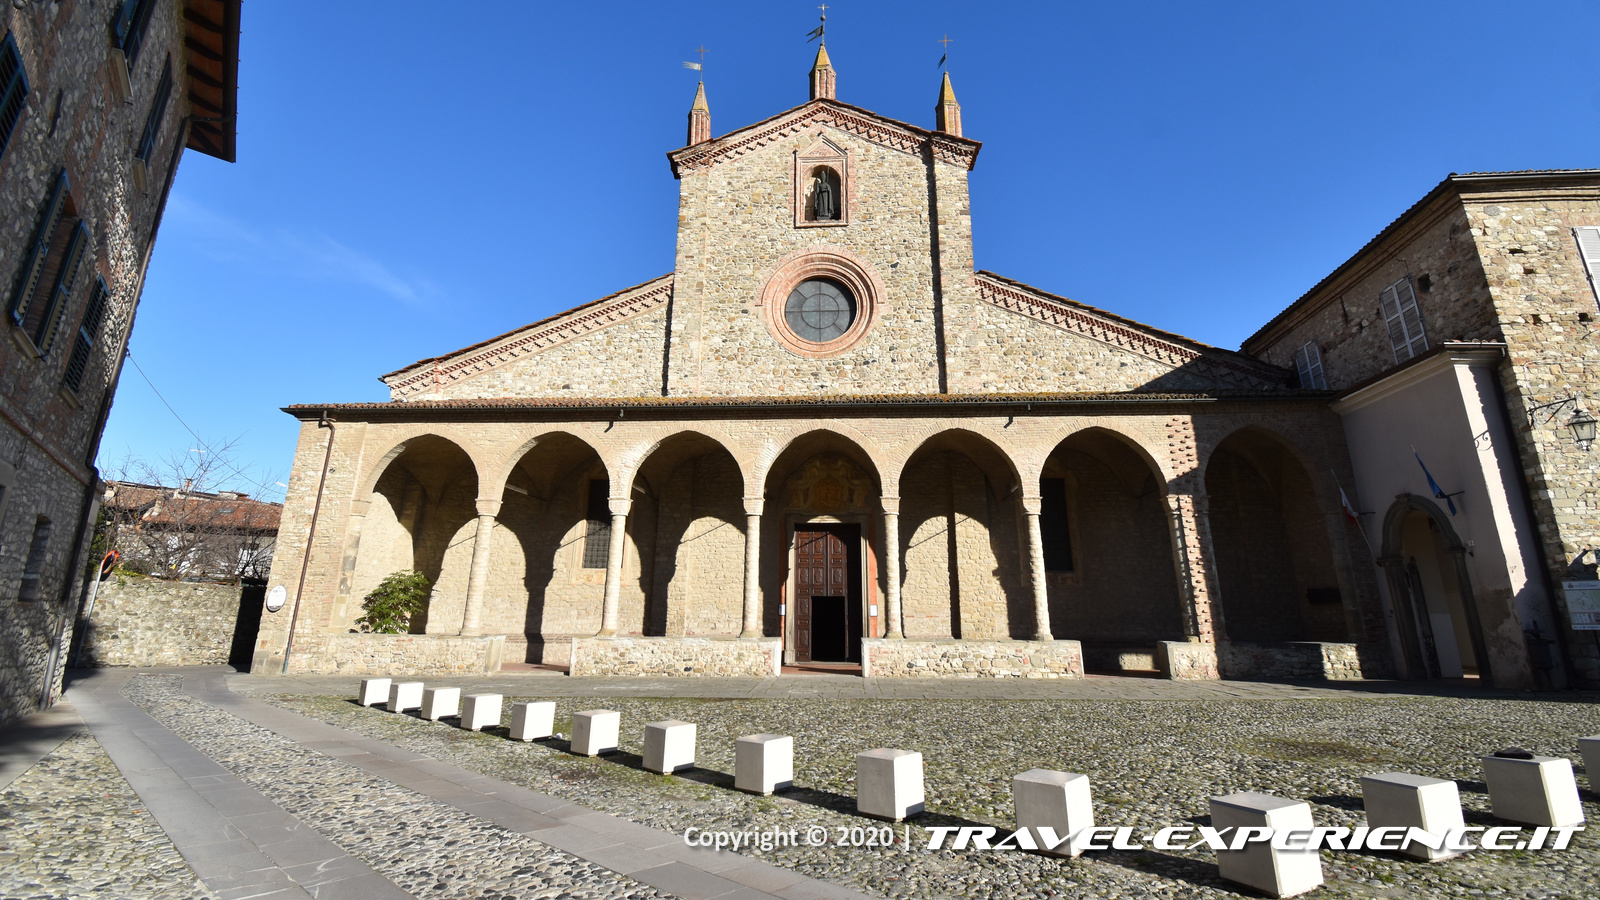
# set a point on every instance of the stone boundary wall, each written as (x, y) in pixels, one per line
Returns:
(394, 654)
(140, 621)
(671, 656)
(1308, 660)
(1187, 661)
(884, 658)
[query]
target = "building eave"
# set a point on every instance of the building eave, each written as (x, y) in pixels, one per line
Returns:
(211, 76)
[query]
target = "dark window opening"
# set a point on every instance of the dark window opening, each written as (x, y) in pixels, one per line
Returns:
(44, 287)
(13, 90)
(597, 537)
(1053, 527)
(158, 108)
(1425, 284)
(30, 589)
(128, 28)
(88, 334)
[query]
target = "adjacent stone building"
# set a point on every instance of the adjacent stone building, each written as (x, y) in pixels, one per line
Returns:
(827, 438)
(98, 100)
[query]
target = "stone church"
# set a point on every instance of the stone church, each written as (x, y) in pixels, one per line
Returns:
(827, 439)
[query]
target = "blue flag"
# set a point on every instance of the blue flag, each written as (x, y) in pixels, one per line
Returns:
(1438, 492)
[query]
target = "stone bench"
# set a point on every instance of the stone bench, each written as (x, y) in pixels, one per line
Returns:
(1056, 800)
(1277, 873)
(440, 702)
(480, 711)
(533, 720)
(594, 731)
(889, 784)
(669, 746)
(374, 691)
(763, 763)
(405, 695)
(1401, 800)
(1537, 791)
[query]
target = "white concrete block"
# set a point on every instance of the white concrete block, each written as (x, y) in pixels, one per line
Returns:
(763, 763)
(440, 702)
(594, 731)
(532, 720)
(480, 711)
(1055, 800)
(1537, 791)
(405, 695)
(374, 691)
(1278, 873)
(889, 784)
(669, 746)
(1590, 748)
(1400, 800)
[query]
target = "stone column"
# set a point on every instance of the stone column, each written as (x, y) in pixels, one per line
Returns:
(1041, 588)
(1189, 522)
(891, 566)
(478, 579)
(619, 535)
(752, 568)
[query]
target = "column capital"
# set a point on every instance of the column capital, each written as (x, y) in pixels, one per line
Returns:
(1032, 505)
(891, 505)
(360, 507)
(754, 505)
(488, 507)
(620, 506)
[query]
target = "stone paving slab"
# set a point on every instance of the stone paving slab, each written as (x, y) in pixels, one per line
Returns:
(26, 742)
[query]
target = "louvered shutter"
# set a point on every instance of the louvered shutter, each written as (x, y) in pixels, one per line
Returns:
(88, 335)
(13, 90)
(34, 264)
(1404, 320)
(1588, 238)
(61, 292)
(1308, 363)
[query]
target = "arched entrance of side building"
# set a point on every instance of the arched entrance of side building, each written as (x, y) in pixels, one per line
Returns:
(1436, 612)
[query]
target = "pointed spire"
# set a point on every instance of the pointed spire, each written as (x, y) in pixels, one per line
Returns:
(824, 81)
(947, 113)
(699, 117)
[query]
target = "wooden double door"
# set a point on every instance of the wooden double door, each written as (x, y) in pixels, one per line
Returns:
(827, 593)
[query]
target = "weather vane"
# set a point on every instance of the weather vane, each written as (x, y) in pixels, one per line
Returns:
(820, 30)
(946, 41)
(698, 66)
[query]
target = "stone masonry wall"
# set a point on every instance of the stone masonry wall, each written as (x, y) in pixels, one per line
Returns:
(1301, 660)
(971, 659)
(141, 621)
(72, 120)
(675, 656)
(395, 654)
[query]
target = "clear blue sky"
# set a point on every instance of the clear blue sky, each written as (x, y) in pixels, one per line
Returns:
(415, 177)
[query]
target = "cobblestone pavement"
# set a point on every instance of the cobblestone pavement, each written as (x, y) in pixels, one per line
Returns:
(71, 827)
(1153, 763)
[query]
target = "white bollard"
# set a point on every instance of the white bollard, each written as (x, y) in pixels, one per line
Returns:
(1055, 800)
(1400, 800)
(1590, 748)
(440, 702)
(594, 731)
(1280, 873)
(669, 746)
(374, 691)
(1537, 791)
(480, 711)
(532, 720)
(763, 763)
(889, 784)
(405, 695)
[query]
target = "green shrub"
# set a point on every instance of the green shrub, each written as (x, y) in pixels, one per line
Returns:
(392, 604)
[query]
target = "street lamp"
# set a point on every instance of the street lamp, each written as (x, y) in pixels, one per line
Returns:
(1583, 428)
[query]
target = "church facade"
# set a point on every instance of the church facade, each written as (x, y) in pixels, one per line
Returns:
(827, 438)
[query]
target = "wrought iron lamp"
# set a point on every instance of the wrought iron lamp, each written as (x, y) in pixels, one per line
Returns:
(1583, 427)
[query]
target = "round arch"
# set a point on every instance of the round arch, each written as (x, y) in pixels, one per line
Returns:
(499, 473)
(681, 444)
(408, 435)
(1407, 590)
(983, 449)
(1032, 468)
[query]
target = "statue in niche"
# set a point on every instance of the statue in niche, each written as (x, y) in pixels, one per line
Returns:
(823, 204)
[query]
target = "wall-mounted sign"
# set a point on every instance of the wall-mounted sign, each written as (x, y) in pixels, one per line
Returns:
(1583, 604)
(278, 595)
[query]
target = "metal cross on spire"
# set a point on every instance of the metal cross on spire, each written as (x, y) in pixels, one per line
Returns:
(697, 66)
(820, 30)
(946, 41)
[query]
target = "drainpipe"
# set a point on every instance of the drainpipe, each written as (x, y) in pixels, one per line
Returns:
(311, 534)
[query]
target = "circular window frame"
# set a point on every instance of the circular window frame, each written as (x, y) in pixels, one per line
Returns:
(833, 263)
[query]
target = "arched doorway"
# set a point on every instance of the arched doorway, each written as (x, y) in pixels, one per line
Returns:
(422, 516)
(1274, 560)
(1435, 611)
(1108, 551)
(821, 513)
(962, 548)
(688, 521)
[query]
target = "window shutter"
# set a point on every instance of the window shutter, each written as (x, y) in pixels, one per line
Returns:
(13, 90)
(1404, 320)
(61, 293)
(1588, 238)
(88, 335)
(129, 27)
(158, 108)
(34, 264)
(1308, 364)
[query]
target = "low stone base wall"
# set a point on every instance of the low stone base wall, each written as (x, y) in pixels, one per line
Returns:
(392, 654)
(676, 656)
(140, 621)
(1297, 660)
(1119, 657)
(1187, 661)
(885, 658)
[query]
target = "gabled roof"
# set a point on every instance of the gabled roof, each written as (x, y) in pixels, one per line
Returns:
(546, 332)
(211, 75)
(881, 130)
(1225, 366)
